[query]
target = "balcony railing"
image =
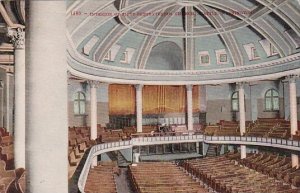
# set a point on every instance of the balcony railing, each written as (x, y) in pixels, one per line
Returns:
(262, 141)
(148, 139)
(96, 150)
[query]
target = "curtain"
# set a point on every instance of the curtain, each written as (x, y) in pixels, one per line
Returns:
(156, 99)
(121, 99)
(196, 99)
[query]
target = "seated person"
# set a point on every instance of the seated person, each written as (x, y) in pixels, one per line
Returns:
(163, 128)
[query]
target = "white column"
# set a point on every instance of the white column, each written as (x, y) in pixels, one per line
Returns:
(293, 104)
(8, 115)
(242, 116)
(2, 103)
(18, 37)
(286, 101)
(293, 114)
(93, 87)
(295, 160)
(189, 97)
(136, 157)
(139, 108)
(243, 152)
(46, 98)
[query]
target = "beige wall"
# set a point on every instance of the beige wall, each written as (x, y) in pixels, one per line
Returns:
(79, 120)
(217, 103)
(266, 114)
(221, 110)
(103, 113)
(217, 110)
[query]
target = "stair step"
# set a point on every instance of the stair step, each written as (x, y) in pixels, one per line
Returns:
(211, 151)
(122, 162)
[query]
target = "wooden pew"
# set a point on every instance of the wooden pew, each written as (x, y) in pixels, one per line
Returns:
(228, 176)
(6, 177)
(101, 179)
(163, 177)
(7, 155)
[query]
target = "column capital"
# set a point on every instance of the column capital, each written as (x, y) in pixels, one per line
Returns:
(292, 78)
(17, 37)
(241, 84)
(139, 87)
(93, 83)
(9, 73)
(189, 87)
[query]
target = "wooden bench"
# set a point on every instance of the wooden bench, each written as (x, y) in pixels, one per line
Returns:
(6, 177)
(224, 175)
(101, 179)
(162, 177)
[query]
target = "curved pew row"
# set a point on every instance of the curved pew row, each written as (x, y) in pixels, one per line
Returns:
(227, 174)
(11, 181)
(162, 177)
(262, 127)
(6, 149)
(101, 178)
(79, 142)
(278, 167)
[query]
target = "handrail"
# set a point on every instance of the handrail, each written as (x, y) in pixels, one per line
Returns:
(96, 150)
(175, 138)
(84, 173)
(250, 140)
(168, 133)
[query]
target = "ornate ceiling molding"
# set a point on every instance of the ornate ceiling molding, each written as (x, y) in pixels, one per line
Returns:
(257, 22)
(85, 68)
(228, 38)
(260, 19)
(7, 18)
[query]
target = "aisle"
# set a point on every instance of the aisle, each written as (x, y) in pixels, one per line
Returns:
(123, 182)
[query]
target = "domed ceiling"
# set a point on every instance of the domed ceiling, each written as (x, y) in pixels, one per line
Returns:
(183, 35)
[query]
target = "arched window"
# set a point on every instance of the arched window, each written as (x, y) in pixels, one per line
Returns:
(235, 101)
(272, 100)
(79, 103)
